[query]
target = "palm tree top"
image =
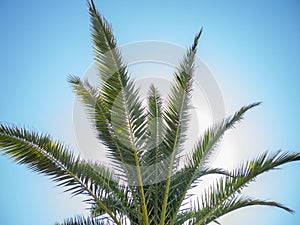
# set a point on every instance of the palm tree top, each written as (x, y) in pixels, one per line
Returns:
(145, 185)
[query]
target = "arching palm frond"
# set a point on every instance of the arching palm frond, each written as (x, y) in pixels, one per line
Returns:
(196, 163)
(237, 202)
(49, 157)
(224, 195)
(91, 99)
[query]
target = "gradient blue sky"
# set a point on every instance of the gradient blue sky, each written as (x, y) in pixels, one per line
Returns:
(251, 46)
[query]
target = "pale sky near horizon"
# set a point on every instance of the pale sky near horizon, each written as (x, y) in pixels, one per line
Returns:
(251, 47)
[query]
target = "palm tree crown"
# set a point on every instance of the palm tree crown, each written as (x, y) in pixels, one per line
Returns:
(144, 143)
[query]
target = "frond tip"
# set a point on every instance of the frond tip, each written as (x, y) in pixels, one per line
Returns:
(196, 40)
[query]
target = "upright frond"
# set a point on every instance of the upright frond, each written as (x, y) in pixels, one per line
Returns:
(152, 160)
(155, 131)
(127, 115)
(176, 115)
(116, 88)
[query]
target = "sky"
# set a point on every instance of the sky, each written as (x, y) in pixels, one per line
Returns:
(251, 47)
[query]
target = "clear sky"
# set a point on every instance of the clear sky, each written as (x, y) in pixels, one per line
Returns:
(252, 47)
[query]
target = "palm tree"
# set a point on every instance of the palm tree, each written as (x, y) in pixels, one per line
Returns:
(144, 144)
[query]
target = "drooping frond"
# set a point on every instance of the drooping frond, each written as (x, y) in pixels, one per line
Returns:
(121, 98)
(235, 203)
(176, 116)
(241, 202)
(43, 155)
(226, 191)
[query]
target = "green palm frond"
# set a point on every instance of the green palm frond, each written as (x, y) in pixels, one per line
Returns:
(43, 155)
(235, 203)
(155, 132)
(118, 93)
(196, 163)
(176, 115)
(241, 202)
(153, 157)
(118, 152)
(204, 148)
(226, 189)
(121, 98)
(92, 100)
(116, 88)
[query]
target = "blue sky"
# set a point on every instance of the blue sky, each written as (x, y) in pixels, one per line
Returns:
(252, 48)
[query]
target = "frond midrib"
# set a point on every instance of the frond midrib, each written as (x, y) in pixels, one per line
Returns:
(64, 168)
(144, 205)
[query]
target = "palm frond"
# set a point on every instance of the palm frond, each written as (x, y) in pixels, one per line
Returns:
(241, 202)
(155, 128)
(118, 153)
(177, 105)
(196, 163)
(153, 165)
(226, 189)
(233, 204)
(176, 115)
(43, 155)
(116, 88)
(120, 96)
(98, 112)
(179, 198)
(205, 146)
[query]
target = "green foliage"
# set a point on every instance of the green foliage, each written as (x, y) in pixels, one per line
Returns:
(143, 145)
